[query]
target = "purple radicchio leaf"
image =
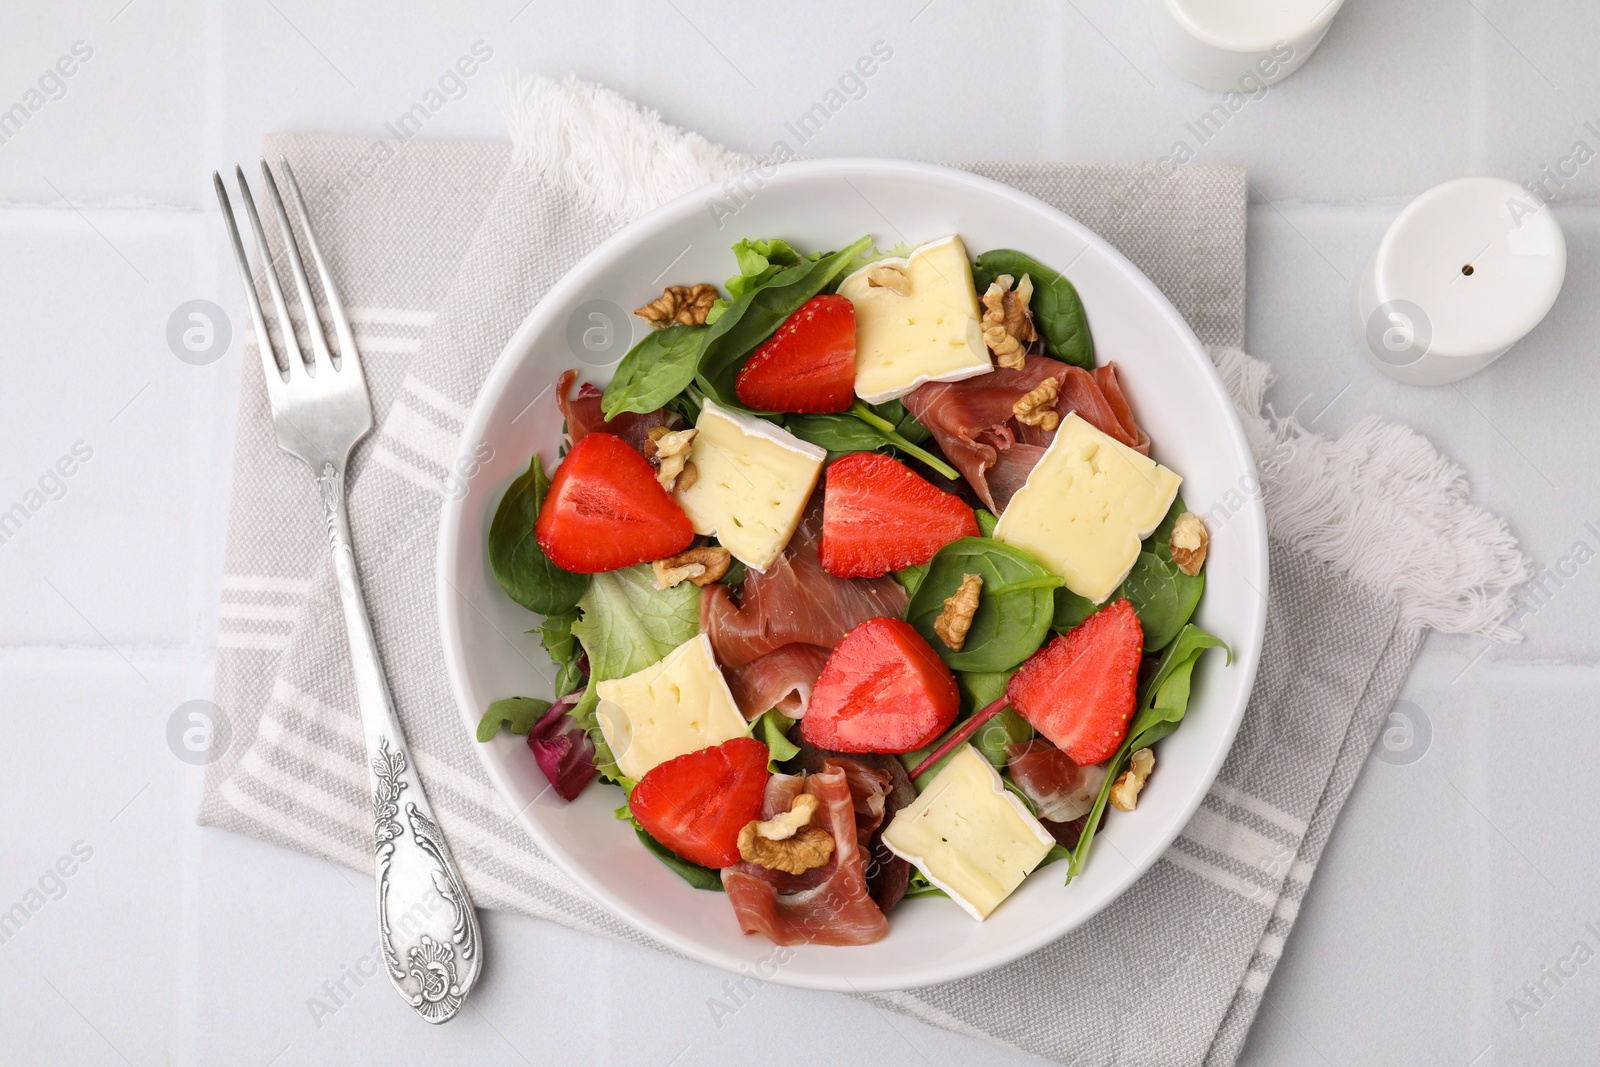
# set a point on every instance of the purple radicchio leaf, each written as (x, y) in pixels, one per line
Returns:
(562, 748)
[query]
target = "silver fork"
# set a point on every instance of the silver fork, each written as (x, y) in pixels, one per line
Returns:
(427, 928)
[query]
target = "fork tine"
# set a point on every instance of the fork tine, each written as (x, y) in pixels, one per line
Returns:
(341, 322)
(291, 343)
(297, 268)
(269, 356)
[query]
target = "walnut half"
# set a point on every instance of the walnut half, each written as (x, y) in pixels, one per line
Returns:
(1007, 322)
(891, 277)
(702, 566)
(1037, 407)
(1189, 543)
(1125, 794)
(786, 842)
(680, 303)
(956, 619)
(668, 452)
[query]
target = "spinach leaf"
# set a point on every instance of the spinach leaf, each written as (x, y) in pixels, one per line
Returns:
(1005, 729)
(1163, 699)
(758, 313)
(861, 429)
(772, 729)
(655, 370)
(905, 423)
(696, 875)
(1015, 606)
(1071, 609)
(1162, 596)
(517, 714)
(555, 634)
(1057, 310)
(986, 522)
(519, 564)
(627, 625)
(979, 689)
(892, 435)
(911, 577)
(839, 434)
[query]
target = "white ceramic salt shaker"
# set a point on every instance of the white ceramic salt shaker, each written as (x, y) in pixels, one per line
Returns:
(1466, 271)
(1240, 45)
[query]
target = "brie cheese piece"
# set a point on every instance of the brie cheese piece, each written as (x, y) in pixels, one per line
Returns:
(934, 333)
(969, 835)
(753, 482)
(679, 705)
(1086, 507)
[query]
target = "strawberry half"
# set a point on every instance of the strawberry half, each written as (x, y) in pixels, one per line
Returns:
(1079, 690)
(882, 690)
(809, 365)
(605, 510)
(878, 515)
(697, 804)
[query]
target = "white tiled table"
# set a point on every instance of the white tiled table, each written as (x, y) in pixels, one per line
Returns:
(1450, 883)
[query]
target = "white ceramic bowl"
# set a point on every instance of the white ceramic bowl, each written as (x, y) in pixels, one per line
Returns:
(1179, 400)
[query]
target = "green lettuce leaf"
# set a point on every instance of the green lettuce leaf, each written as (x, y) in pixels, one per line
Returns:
(555, 634)
(628, 624)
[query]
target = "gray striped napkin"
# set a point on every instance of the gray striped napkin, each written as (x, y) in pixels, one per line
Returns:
(441, 249)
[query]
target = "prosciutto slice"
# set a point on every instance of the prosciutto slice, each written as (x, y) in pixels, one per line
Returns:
(828, 905)
(583, 414)
(879, 787)
(1059, 788)
(794, 602)
(973, 424)
(782, 679)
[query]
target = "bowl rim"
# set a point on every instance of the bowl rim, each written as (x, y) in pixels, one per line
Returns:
(572, 283)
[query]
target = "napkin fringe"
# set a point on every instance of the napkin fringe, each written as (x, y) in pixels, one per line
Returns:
(1381, 504)
(609, 153)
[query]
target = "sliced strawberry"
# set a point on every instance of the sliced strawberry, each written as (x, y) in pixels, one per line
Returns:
(697, 804)
(879, 515)
(1079, 690)
(882, 690)
(809, 365)
(605, 510)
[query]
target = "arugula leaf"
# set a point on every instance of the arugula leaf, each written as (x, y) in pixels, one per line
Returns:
(696, 875)
(627, 625)
(555, 634)
(519, 564)
(1167, 694)
(655, 370)
(758, 313)
(1015, 607)
(772, 729)
(1163, 699)
(517, 714)
(1057, 310)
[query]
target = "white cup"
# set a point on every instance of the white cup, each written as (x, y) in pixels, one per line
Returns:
(1217, 44)
(1466, 271)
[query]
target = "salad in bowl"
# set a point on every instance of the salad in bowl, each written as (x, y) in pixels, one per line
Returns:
(860, 582)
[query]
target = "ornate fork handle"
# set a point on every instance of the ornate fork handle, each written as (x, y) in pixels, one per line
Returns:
(427, 928)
